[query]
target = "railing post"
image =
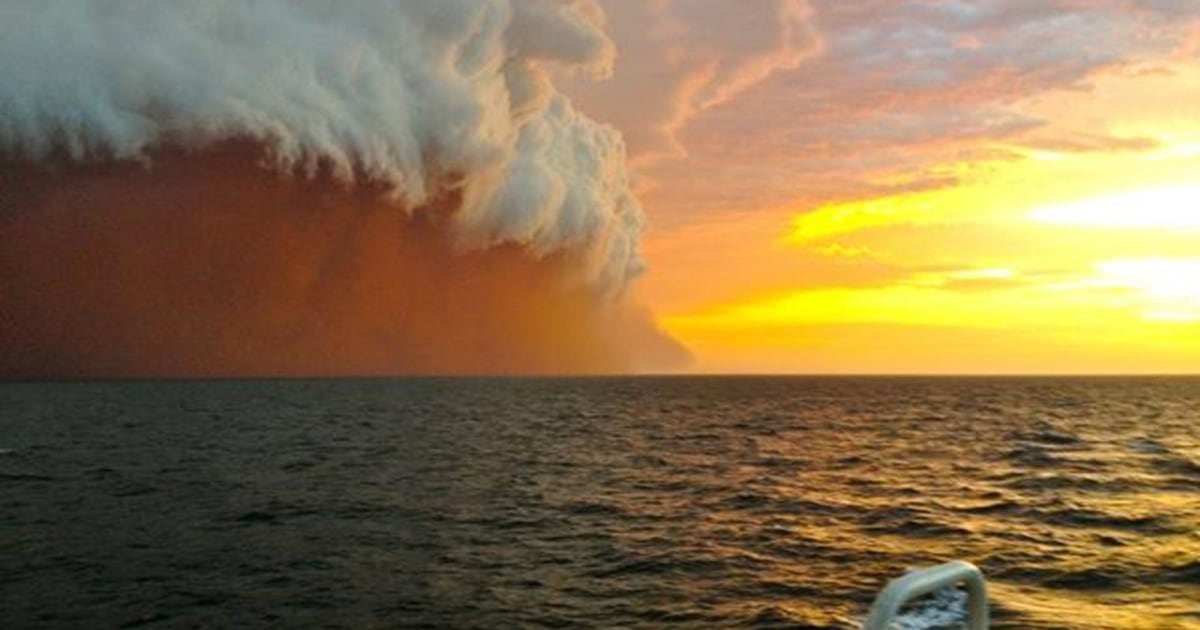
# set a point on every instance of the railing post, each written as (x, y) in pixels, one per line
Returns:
(925, 581)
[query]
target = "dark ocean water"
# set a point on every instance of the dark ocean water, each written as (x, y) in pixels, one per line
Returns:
(605, 503)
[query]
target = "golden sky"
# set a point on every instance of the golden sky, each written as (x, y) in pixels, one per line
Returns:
(917, 187)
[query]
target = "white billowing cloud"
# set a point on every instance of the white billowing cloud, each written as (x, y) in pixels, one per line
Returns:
(677, 58)
(421, 96)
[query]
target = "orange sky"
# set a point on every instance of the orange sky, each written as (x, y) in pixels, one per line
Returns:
(916, 187)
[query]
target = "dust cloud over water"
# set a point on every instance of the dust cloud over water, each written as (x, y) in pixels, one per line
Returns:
(209, 264)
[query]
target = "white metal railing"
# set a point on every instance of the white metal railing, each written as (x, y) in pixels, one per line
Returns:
(925, 581)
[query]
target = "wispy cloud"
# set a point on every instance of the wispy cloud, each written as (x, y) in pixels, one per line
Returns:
(899, 88)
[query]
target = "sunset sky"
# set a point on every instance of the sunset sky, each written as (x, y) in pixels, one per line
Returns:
(914, 186)
(777, 186)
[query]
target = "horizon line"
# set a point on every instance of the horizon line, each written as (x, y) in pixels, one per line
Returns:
(597, 376)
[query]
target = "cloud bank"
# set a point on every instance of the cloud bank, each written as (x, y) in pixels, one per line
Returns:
(417, 97)
(166, 158)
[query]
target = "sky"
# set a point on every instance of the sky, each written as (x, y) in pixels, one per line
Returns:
(910, 186)
(294, 187)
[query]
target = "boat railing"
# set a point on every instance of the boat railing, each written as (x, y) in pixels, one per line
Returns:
(925, 581)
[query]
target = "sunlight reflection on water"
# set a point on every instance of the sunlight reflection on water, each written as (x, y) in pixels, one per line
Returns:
(638, 503)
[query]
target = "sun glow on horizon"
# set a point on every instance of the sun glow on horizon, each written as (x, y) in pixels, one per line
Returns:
(1172, 286)
(1174, 207)
(990, 275)
(1067, 243)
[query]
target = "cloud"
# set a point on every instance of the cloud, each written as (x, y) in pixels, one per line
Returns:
(901, 88)
(679, 58)
(301, 187)
(417, 98)
(1090, 143)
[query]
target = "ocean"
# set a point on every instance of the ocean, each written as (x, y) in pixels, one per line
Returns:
(674, 502)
